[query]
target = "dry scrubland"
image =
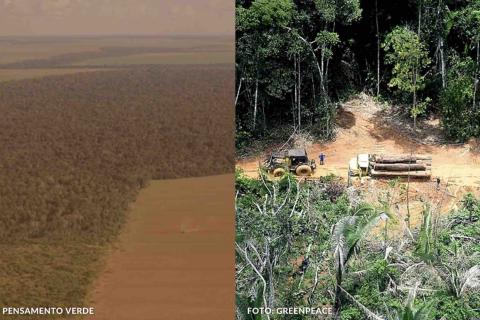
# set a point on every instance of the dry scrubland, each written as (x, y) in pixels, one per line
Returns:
(77, 148)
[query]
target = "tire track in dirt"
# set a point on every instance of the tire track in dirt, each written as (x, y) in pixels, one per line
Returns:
(174, 258)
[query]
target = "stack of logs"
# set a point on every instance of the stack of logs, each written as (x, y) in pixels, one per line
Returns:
(401, 166)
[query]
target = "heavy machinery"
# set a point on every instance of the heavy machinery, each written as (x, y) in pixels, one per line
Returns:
(378, 165)
(293, 160)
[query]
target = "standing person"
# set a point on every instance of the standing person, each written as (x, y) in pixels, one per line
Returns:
(322, 158)
(438, 183)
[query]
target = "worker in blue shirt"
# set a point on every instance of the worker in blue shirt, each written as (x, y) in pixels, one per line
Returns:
(322, 158)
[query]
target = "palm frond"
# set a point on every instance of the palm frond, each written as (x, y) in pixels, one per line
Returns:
(470, 279)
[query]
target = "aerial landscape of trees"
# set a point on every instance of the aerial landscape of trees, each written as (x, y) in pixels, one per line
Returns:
(297, 59)
(76, 150)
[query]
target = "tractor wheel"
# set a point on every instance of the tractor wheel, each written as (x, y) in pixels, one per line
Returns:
(303, 170)
(279, 172)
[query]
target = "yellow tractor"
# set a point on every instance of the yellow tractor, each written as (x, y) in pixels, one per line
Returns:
(293, 160)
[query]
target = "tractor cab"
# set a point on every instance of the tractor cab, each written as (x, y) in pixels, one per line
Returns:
(359, 166)
(294, 160)
(297, 157)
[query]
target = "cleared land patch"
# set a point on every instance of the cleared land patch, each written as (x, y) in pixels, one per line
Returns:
(171, 254)
(362, 129)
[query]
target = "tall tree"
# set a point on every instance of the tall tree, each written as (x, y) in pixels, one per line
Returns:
(409, 57)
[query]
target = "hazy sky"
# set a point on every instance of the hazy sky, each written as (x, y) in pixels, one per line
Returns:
(91, 17)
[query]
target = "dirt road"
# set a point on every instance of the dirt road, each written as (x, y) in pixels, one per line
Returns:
(361, 130)
(172, 260)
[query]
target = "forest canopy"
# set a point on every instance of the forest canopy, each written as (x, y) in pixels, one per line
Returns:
(296, 59)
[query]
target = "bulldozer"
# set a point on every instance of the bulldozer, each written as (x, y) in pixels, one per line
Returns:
(380, 165)
(292, 160)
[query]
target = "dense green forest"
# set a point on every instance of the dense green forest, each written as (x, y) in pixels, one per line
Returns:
(296, 59)
(320, 245)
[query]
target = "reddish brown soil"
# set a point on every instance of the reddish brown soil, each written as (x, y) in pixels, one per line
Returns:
(364, 132)
(174, 258)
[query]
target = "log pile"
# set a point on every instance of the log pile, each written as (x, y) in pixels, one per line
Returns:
(401, 166)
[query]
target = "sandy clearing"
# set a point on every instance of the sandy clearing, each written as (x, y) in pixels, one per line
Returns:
(360, 133)
(175, 257)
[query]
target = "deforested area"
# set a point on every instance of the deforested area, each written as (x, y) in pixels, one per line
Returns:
(334, 250)
(75, 151)
(357, 142)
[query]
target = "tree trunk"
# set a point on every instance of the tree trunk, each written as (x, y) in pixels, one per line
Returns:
(475, 81)
(408, 199)
(255, 106)
(271, 290)
(314, 101)
(337, 307)
(442, 64)
(295, 86)
(440, 41)
(325, 75)
(299, 96)
(415, 99)
(409, 174)
(294, 120)
(264, 124)
(400, 166)
(419, 18)
(400, 158)
(378, 48)
(238, 91)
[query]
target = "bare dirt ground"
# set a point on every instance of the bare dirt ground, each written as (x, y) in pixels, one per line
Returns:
(172, 261)
(368, 127)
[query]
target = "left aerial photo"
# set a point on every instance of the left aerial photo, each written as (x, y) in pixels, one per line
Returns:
(116, 159)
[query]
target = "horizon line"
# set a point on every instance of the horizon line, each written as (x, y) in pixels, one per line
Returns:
(117, 35)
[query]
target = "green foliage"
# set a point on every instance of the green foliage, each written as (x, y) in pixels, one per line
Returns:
(426, 243)
(283, 49)
(264, 14)
(471, 205)
(243, 303)
(304, 222)
(329, 40)
(458, 118)
(420, 108)
(409, 56)
(345, 11)
(290, 48)
(452, 308)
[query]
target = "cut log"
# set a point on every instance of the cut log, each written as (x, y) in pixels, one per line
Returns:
(419, 174)
(423, 157)
(400, 158)
(395, 159)
(425, 162)
(399, 166)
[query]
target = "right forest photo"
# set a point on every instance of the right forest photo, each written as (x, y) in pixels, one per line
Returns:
(357, 159)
